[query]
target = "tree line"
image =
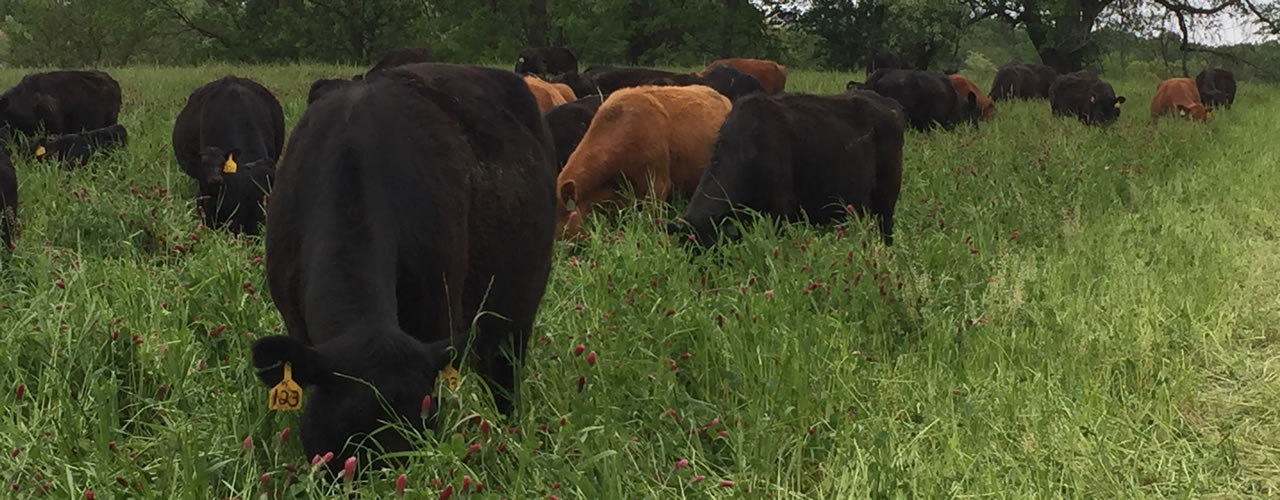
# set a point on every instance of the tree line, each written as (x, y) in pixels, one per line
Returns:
(834, 34)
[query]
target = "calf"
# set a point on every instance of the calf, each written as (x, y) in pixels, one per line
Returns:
(8, 201)
(546, 60)
(408, 205)
(772, 76)
(926, 97)
(796, 156)
(964, 86)
(228, 138)
(547, 95)
(75, 149)
(1178, 96)
(568, 123)
(1015, 81)
(61, 102)
(1086, 96)
(640, 135)
(1217, 87)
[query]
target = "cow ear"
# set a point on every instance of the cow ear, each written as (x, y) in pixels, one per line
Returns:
(1120, 100)
(308, 366)
(973, 99)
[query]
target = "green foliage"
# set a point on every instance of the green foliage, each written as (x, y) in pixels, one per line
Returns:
(1068, 311)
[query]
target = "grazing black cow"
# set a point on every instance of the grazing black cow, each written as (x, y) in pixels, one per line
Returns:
(406, 205)
(1084, 95)
(324, 86)
(8, 201)
(610, 78)
(61, 102)
(1045, 75)
(732, 83)
(400, 57)
(885, 59)
(75, 149)
(1217, 87)
(229, 138)
(546, 61)
(795, 155)
(1015, 81)
(582, 85)
(568, 122)
(927, 97)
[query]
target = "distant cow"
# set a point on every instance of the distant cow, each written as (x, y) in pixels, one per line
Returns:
(568, 123)
(639, 135)
(581, 85)
(772, 76)
(885, 59)
(61, 102)
(1217, 87)
(964, 86)
(229, 138)
(399, 57)
(1044, 78)
(8, 201)
(1178, 97)
(611, 78)
(1083, 95)
(927, 97)
(797, 155)
(731, 83)
(1015, 81)
(408, 205)
(546, 60)
(75, 149)
(547, 95)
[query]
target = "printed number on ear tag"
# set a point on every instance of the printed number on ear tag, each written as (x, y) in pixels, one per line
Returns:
(39, 151)
(230, 166)
(286, 395)
(449, 376)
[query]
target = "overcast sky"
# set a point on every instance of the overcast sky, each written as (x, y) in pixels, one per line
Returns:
(1233, 31)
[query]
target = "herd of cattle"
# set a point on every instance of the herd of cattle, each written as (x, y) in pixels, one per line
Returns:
(408, 199)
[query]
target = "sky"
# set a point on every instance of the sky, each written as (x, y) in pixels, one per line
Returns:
(1233, 31)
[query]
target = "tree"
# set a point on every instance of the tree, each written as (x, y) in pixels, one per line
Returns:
(919, 29)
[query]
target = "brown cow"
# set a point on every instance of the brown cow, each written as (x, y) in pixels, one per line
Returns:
(1178, 96)
(565, 91)
(546, 94)
(964, 86)
(662, 132)
(771, 74)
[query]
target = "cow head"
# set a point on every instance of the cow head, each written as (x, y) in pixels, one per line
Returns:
(569, 211)
(1104, 107)
(22, 110)
(582, 85)
(325, 86)
(530, 63)
(852, 85)
(214, 161)
(355, 384)
(1195, 111)
(967, 107)
(237, 198)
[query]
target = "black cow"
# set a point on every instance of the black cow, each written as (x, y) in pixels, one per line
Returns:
(546, 61)
(582, 85)
(885, 59)
(1084, 95)
(1217, 87)
(324, 86)
(1015, 81)
(1045, 75)
(229, 138)
(732, 83)
(569, 122)
(61, 102)
(610, 78)
(407, 204)
(400, 57)
(8, 201)
(798, 155)
(927, 97)
(75, 149)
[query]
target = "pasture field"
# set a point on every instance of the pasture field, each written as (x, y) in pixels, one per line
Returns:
(1067, 312)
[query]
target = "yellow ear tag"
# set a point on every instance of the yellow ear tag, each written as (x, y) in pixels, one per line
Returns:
(286, 395)
(39, 151)
(450, 377)
(230, 166)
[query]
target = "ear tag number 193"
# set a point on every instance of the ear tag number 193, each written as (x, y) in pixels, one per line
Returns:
(286, 395)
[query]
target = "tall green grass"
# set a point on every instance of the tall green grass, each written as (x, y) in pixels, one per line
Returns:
(1067, 312)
